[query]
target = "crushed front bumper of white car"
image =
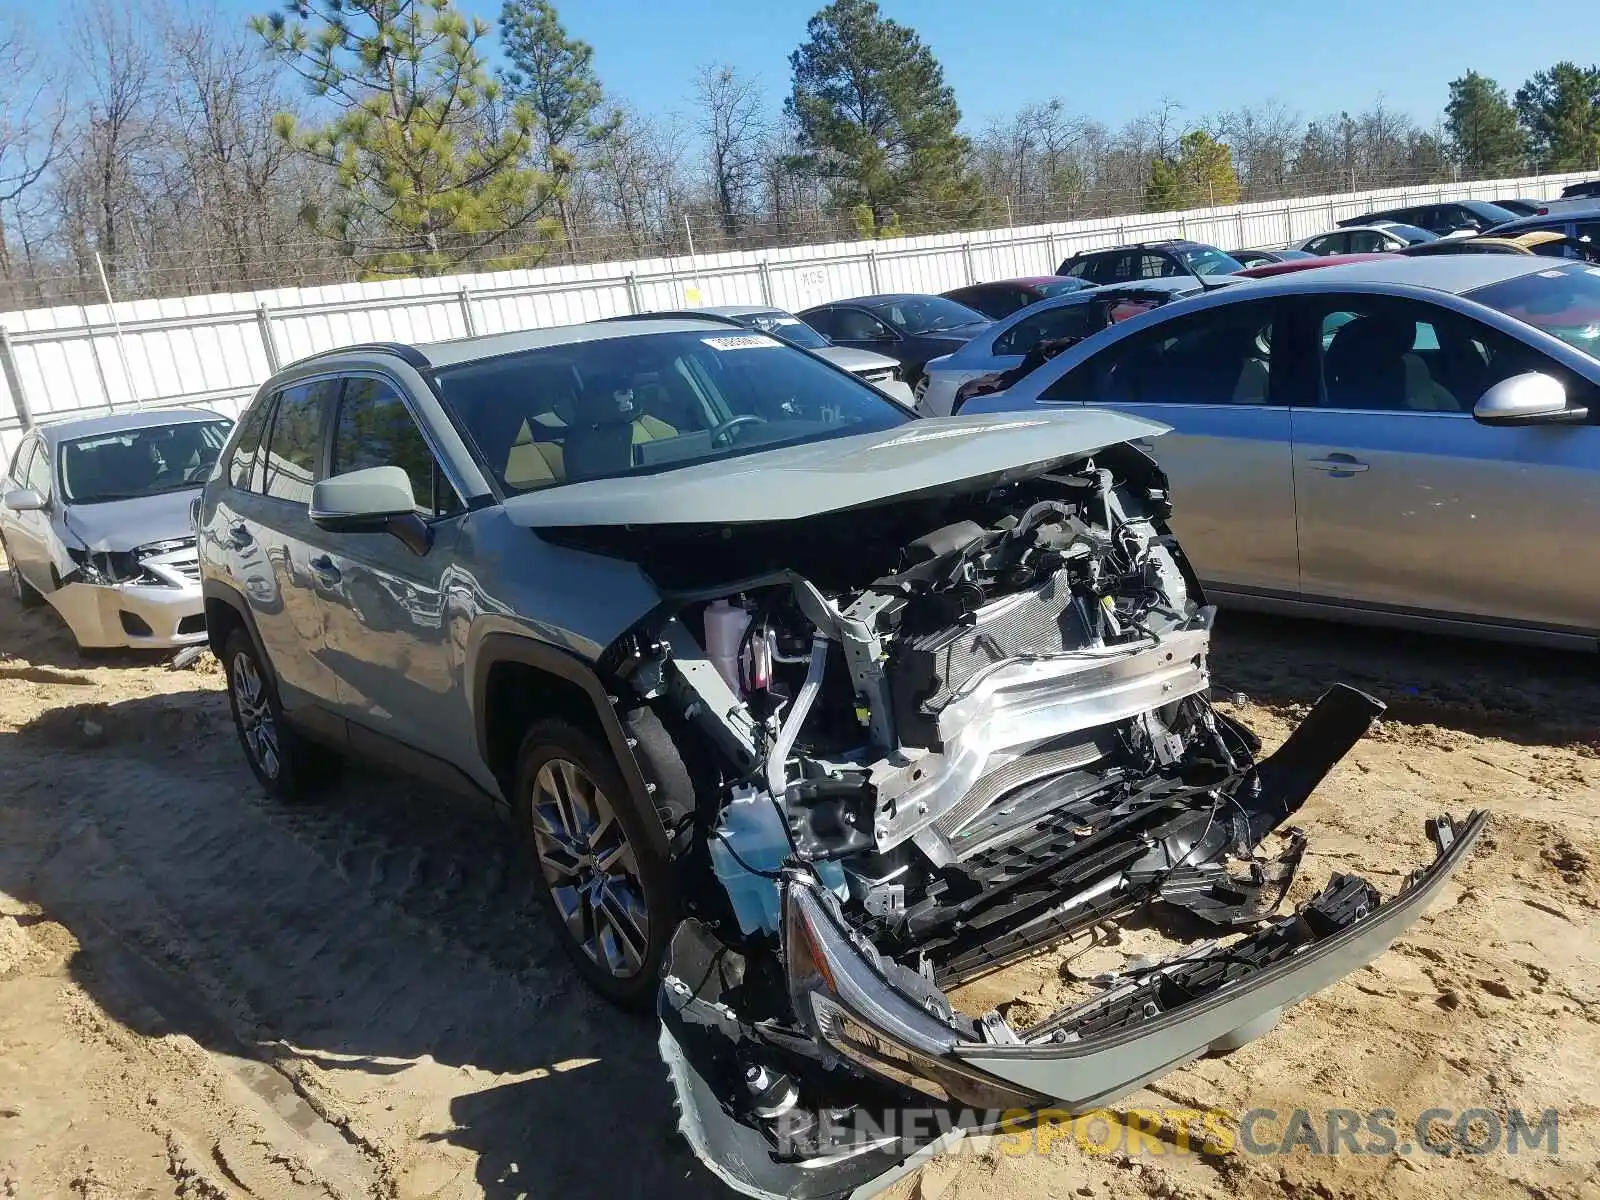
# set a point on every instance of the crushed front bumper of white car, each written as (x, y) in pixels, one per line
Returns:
(161, 609)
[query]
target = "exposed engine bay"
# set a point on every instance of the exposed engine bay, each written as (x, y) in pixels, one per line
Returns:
(933, 737)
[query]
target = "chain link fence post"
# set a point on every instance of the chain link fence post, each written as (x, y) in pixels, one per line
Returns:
(469, 323)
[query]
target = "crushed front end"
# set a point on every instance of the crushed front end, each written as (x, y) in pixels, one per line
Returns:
(932, 737)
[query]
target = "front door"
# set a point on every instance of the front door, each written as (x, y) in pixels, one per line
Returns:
(388, 630)
(27, 533)
(1213, 377)
(1408, 503)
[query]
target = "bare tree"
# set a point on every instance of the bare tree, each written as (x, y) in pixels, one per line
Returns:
(30, 134)
(101, 191)
(245, 183)
(732, 123)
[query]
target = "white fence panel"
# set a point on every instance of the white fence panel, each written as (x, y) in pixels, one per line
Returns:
(215, 350)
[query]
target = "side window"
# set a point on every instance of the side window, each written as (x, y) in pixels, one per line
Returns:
(1365, 241)
(39, 471)
(1220, 356)
(822, 321)
(1117, 267)
(242, 465)
(857, 326)
(1588, 233)
(1403, 356)
(375, 429)
(1072, 320)
(1078, 269)
(1328, 244)
(290, 460)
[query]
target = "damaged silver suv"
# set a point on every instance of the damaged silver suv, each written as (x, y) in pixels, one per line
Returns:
(809, 712)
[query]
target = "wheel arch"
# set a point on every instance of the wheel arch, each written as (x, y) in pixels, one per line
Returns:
(517, 679)
(225, 611)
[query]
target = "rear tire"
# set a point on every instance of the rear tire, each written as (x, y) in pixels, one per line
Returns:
(610, 895)
(286, 764)
(27, 595)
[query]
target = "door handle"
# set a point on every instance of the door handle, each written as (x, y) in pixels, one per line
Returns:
(327, 574)
(1338, 464)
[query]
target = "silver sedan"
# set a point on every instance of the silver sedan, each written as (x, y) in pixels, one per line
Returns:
(1413, 441)
(95, 521)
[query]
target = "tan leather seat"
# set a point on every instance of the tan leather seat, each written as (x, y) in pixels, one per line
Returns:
(535, 464)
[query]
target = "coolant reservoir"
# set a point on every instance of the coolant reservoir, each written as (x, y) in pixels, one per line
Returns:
(725, 627)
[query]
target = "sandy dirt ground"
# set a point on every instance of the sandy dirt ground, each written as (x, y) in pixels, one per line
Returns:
(206, 994)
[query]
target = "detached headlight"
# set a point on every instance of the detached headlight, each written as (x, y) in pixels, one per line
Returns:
(862, 1017)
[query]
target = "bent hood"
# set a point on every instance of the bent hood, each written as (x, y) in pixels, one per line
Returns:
(119, 525)
(794, 482)
(856, 361)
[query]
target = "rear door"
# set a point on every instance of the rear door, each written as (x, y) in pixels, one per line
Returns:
(1213, 377)
(1407, 504)
(387, 634)
(265, 523)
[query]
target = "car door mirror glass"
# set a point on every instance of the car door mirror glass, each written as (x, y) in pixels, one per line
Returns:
(1533, 398)
(24, 500)
(373, 500)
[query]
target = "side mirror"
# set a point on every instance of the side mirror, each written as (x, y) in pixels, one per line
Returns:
(24, 500)
(1530, 399)
(374, 500)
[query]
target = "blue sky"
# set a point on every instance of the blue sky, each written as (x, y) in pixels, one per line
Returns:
(1108, 61)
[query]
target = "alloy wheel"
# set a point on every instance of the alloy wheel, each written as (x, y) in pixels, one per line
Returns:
(255, 715)
(590, 867)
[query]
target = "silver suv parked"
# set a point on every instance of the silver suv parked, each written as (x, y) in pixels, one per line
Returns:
(806, 709)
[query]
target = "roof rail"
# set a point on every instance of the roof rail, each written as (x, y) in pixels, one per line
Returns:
(676, 313)
(407, 354)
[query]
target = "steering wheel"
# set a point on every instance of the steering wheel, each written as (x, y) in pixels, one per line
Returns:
(732, 423)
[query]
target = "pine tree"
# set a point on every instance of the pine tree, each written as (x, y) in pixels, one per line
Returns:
(553, 74)
(1482, 128)
(877, 121)
(1560, 109)
(429, 165)
(1164, 192)
(1205, 167)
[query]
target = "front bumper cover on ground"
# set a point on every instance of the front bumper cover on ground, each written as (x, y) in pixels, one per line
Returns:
(1209, 1000)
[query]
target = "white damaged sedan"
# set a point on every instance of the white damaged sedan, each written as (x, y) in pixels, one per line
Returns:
(95, 521)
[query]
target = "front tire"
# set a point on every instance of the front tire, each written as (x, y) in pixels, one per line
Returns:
(610, 895)
(26, 594)
(286, 765)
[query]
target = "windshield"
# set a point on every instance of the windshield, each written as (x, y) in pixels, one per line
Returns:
(1563, 302)
(927, 314)
(1208, 260)
(790, 329)
(1485, 211)
(140, 462)
(1411, 233)
(649, 403)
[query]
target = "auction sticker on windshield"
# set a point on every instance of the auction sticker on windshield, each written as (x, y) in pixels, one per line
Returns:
(746, 341)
